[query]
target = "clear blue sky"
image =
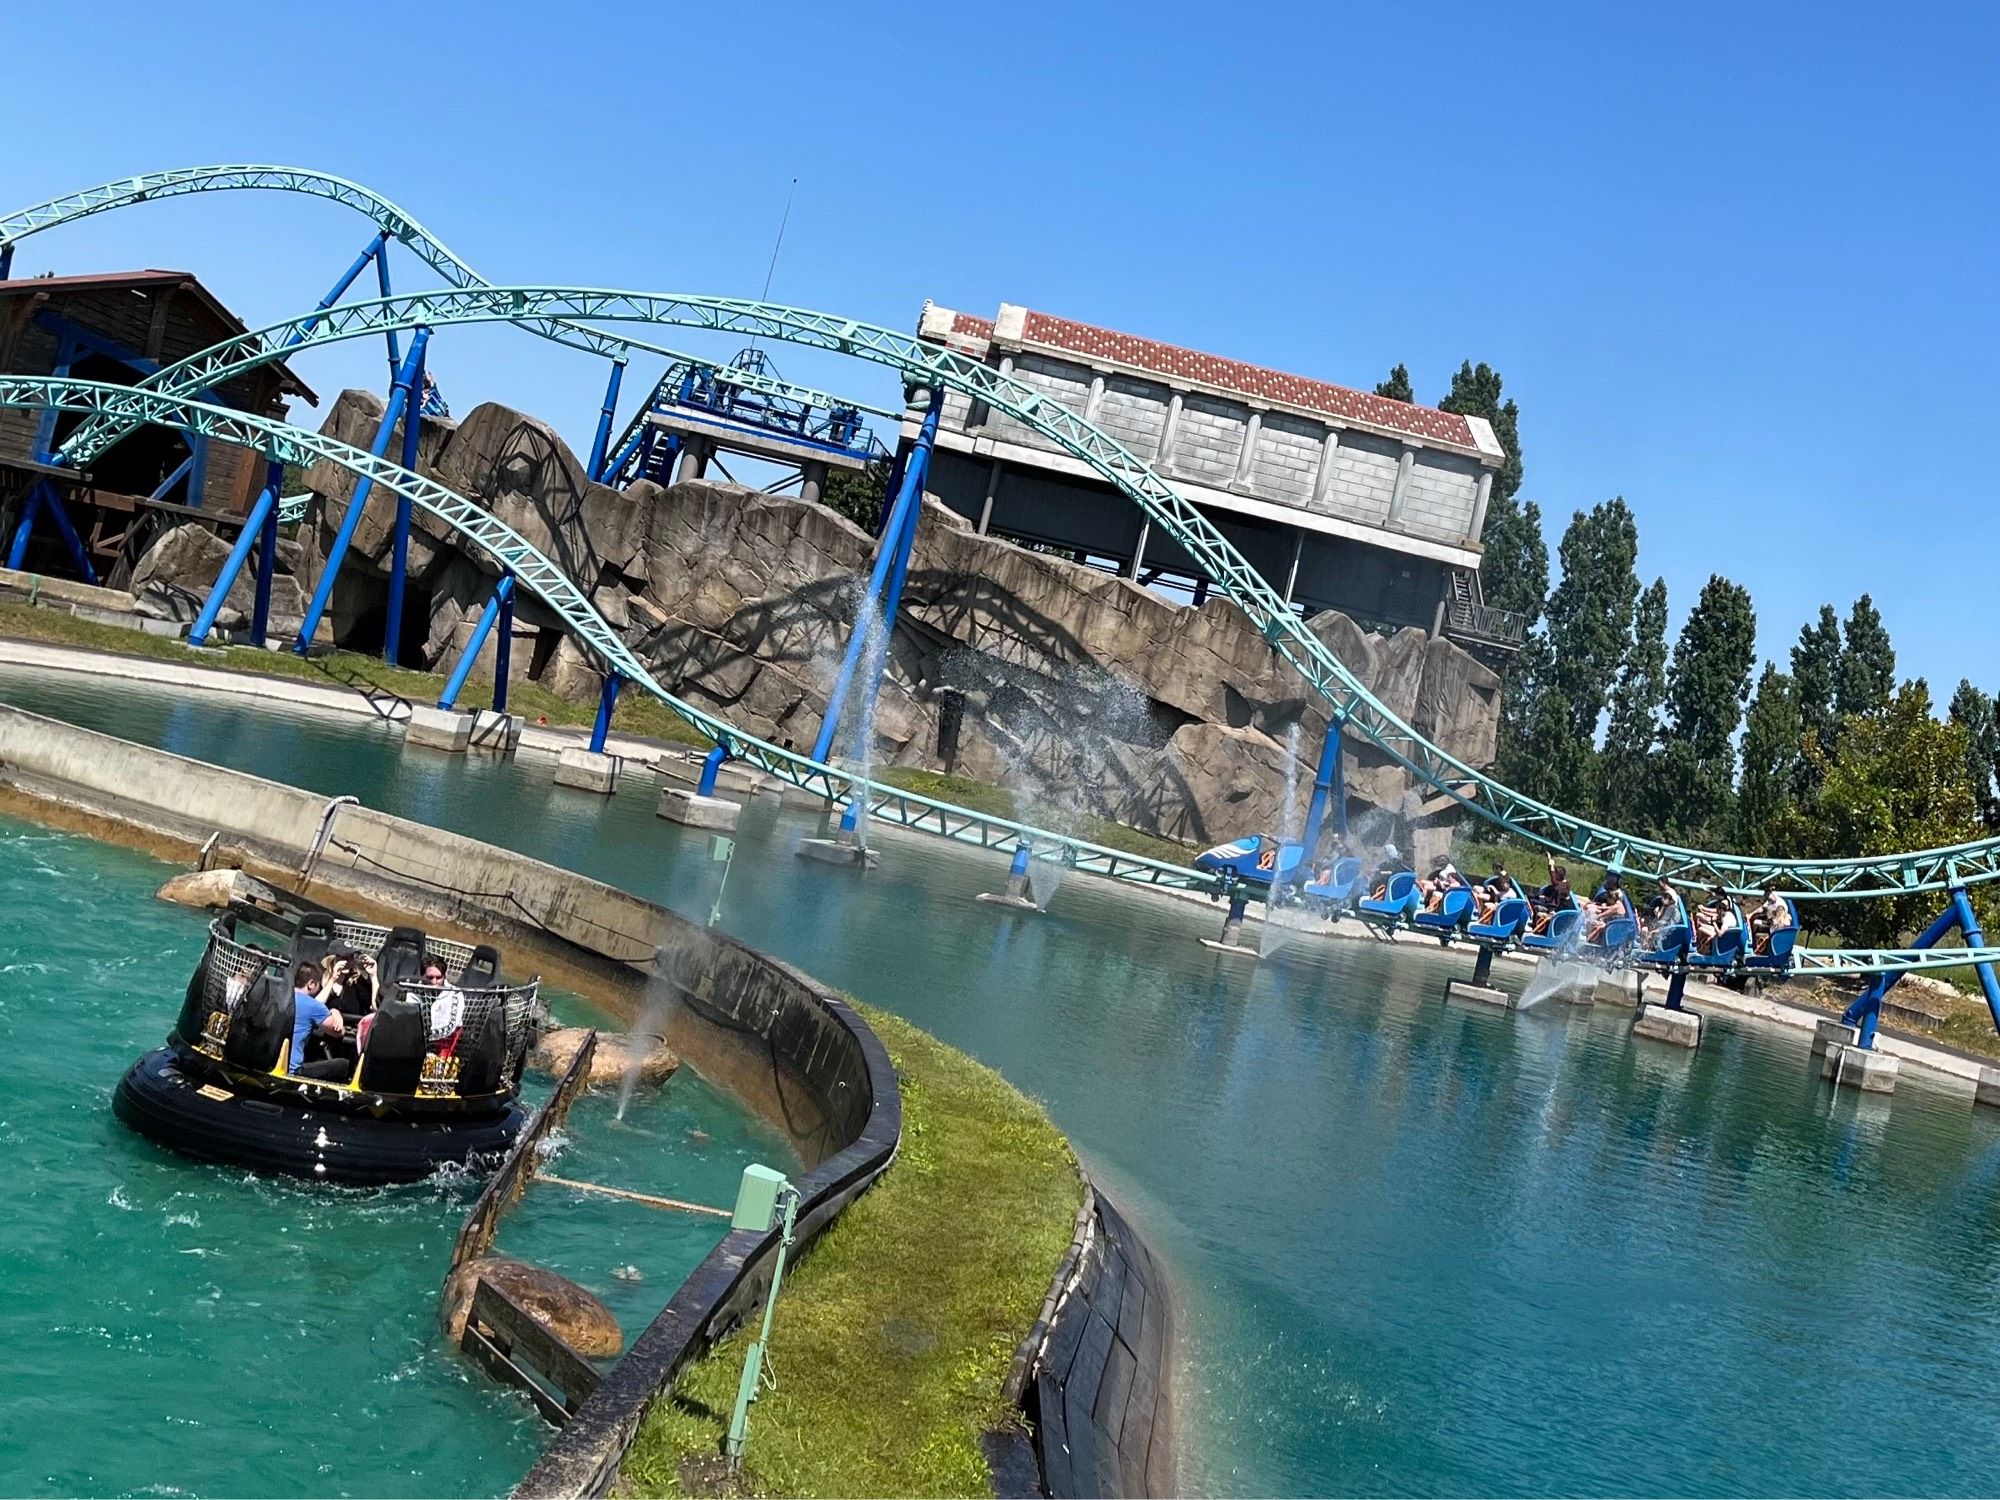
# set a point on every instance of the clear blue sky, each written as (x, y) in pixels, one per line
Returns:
(1736, 266)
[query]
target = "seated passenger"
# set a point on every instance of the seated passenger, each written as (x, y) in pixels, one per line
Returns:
(447, 1014)
(1774, 914)
(351, 980)
(310, 1014)
(1665, 910)
(1490, 892)
(1551, 898)
(1444, 876)
(1606, 903)
(1712, 918)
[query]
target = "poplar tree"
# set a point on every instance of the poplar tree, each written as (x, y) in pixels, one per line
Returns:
(1625, 786)
(1974, 712)
(1707, 685)
(1867, 664)
(1816, 674)
(1514, 573)
(1771, 756)
(1476, 393)
(1397, 387)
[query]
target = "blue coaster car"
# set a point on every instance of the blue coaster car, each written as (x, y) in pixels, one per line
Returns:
(1774, 954)
(1334, 893)
(1670, 948)
(1510, 920)
(1399, 901)
(1448, 918)
(1612, 944)
(1725, 953)
(1557, 936)
(1257, 860)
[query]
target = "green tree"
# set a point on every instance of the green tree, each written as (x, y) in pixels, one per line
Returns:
(1816, 684)
(1476, 393)
(858, 494)
(1707, 685)
(1973, 711)
(1771, 755)
(1625, 795)
(1578, 656)
(1514, 572)
(1867, 664)
(1397, 387)
(1897, 781)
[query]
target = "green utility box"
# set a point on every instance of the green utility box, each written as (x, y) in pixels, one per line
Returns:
(757, 1198)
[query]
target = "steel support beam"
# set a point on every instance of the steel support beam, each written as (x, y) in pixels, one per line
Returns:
(399, 556)
(253, 528)
(605, 414)
(498, 603)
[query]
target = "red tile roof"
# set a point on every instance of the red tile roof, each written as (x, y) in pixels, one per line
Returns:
(1176, 363)
(969, 323)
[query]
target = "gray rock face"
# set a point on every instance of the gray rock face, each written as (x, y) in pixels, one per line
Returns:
(171, 582)
(1082, 693)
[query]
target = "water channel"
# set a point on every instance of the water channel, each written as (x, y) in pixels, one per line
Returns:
(1421, 1248)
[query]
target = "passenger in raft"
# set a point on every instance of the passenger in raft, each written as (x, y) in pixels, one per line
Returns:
(310, 1013)
(351, 981)
(447, 1015)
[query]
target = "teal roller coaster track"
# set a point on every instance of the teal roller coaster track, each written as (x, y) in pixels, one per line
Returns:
(565, 313)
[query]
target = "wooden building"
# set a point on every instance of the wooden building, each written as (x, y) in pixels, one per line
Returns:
(121, 327)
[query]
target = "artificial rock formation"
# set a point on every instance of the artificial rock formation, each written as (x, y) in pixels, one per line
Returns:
(572, 1314)
(646, 1058)
(1083, 693)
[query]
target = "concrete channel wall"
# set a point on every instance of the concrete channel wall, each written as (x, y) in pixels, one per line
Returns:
(791, 1048)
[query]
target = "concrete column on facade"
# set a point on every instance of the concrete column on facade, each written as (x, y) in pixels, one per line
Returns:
(812, 482)
(1139, 548)
(1479, 503)
(1292, 573)
(979, 413)
(1094, 400)
(1404, 465)
(694, 459)
(986, 505)
(1247, 459)
(1162, 455)
(1323, 479)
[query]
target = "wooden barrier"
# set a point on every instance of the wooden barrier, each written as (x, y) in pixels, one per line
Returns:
(475, 1235)
(505, 1339)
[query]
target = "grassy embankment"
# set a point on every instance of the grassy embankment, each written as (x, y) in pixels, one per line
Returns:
(637, 714)
(894, 1335)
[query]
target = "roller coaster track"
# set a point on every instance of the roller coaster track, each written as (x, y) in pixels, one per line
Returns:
(1349, 699)
(533, 571)
(427, 247)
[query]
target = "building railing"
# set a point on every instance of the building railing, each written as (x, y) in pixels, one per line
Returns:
(1487, 624)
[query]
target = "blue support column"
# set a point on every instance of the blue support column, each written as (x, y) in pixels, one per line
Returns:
(267, 553)
(180, 473)
(399, 555)
(6, 261)
(1329, 786)
(605, 415)
(58, 513)
(253, 527)
(892, 559)
(606, 702)
(17, 555)
(197, 468)
(399, 397)
(1968, 923)
(382, 280)
(710, 765)
(376, 246)
(501, 603)
(503, 649)
(1866, 1011)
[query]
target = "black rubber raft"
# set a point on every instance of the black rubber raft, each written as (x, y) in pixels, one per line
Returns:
(171, 1098)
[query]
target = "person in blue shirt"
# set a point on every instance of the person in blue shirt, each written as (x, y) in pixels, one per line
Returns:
(308, 1012)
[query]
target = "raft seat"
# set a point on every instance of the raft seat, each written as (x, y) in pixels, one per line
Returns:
(1398, 901)
(311, 939)
(1450, 915)
(401, 961)
(260, 1031)
(482, 970)
(1557, 936)
(393, 1060)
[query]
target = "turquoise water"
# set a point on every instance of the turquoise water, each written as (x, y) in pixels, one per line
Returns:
(175, 1328)
(1421, 1248)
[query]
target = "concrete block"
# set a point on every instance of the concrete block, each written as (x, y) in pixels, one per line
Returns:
(587, 771)
(1480, 994)
(495, 733)
(1987, 1089)
(1678, 1028)
(1861, 1068)
(1830, 1034)
(842, 852)
(692, 810)
(445, 729)
(171, 630)
(1022, 903)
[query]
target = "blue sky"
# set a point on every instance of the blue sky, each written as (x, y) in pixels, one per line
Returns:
(1736, 263)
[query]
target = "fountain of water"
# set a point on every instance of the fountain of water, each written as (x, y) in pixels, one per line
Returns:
(1555, 976)
(849, 846)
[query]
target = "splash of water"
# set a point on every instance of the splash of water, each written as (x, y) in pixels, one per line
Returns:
(1044, 876)
(1555, 976)
(651, 1027)
(859, 710)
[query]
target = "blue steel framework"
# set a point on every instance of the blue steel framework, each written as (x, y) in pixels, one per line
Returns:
(556, 312)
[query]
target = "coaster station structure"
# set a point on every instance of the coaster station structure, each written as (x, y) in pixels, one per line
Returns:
(567, 315)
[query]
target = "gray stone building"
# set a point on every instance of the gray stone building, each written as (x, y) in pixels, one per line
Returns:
(1342, 499)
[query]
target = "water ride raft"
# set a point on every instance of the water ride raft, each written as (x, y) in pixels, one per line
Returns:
(436, 1083)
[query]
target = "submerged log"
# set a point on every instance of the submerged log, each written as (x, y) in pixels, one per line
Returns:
(572, 1314)
(617, 1053)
